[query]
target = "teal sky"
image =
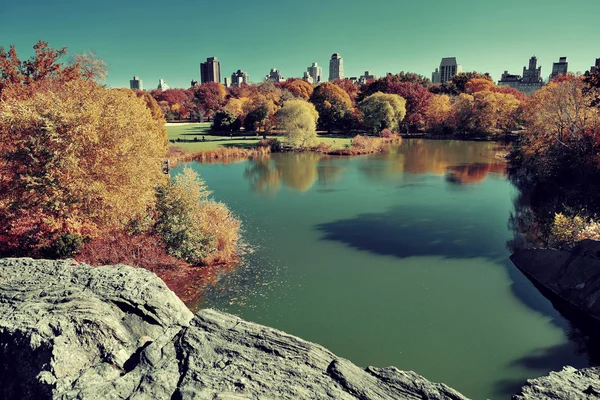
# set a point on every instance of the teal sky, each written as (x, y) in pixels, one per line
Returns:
(157, 39)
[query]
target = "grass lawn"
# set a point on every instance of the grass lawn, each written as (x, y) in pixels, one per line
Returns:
(215, 141)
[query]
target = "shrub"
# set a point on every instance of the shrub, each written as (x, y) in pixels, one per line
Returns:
(192, 227)
(568, 230)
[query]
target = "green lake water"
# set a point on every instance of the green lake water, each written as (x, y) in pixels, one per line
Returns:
(397, 259)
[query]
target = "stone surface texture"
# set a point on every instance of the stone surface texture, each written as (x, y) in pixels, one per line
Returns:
(573, 275)
(68, 330)
(570, 383)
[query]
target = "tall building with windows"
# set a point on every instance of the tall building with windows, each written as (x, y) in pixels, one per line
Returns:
(239, 77)
(315, 72)
(529, 82)
(135, 84)
(210, 71)
(559, 68)
(162, 85)
(336, 67)
(594, 68)
(274, 76)
(448, 68)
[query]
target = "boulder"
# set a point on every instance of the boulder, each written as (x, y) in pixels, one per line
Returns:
(68, 330)
(569, 383)
(570, 275)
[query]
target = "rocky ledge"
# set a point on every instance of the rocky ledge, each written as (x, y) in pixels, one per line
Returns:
(570, 275)
(570, 383)
(68, 330)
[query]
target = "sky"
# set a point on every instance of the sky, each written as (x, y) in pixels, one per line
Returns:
(168, 40)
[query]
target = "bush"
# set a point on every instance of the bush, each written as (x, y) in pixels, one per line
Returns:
(569, 230)
(192, 227)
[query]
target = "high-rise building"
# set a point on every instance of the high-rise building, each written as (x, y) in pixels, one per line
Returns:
(366, 77)
(210, 71)
(529, 82)
(594, 68)
(448, 68)
(533, 74)
(336, 67)
(135, 84)
(274, 76)
(306, 77)
(315, 73)
(559, 68)
(239, 77)
(162, 85)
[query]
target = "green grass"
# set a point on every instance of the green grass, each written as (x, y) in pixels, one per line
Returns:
(214, 141)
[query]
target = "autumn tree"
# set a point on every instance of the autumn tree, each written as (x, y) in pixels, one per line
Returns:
(300, 88)
(494, 112)
(76, 160)
(210, 97)
(332, 103)
(382, 111)
(437, 116)
(348, 87)
(298, 118)
(460, 80)
(563, 131)
(45, 67)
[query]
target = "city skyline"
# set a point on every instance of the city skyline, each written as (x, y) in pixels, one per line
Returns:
(381, 38)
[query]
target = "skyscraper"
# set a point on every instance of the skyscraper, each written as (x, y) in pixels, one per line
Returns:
(336, 67)
(135, 84)
(559, 68)
(315, 72)
(529, 82)
(210, 71)
(162, 85)
(274, 76)
(448, 68)
(239, 77)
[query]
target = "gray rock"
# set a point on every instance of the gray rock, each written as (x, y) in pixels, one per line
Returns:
(571, 275)
(569, 383)
(68, 330)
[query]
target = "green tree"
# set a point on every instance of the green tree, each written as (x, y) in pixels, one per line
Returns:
(382, 111)
(332, 103)
(298, 119)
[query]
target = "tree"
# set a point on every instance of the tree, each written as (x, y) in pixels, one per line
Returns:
(76, 160)
(298, 118)
(563, 131)
(382, 111)
(45, 68)
(300, 88)
(256, 118)
(210, 97)
(462, 111)
(332, 103)
(226, 121)
(494, 112)
(460, 80)
(348, 87)
(438, 114)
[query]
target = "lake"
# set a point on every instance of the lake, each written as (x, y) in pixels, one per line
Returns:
(396, 259)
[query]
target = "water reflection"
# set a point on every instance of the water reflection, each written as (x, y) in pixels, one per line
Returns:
(298, 171)
(462, 162)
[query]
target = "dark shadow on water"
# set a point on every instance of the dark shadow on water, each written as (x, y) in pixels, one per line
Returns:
(414, 231)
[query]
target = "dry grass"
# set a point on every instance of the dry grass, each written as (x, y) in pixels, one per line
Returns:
(368, 145)
(224, 154)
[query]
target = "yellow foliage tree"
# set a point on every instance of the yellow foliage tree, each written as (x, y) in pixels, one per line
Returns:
(438, 113)
(76, 159)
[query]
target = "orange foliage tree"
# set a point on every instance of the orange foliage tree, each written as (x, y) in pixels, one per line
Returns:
(75, 159)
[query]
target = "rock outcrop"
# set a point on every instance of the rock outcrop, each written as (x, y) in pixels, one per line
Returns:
(573, 276)
(569, 383)
(68, 330)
